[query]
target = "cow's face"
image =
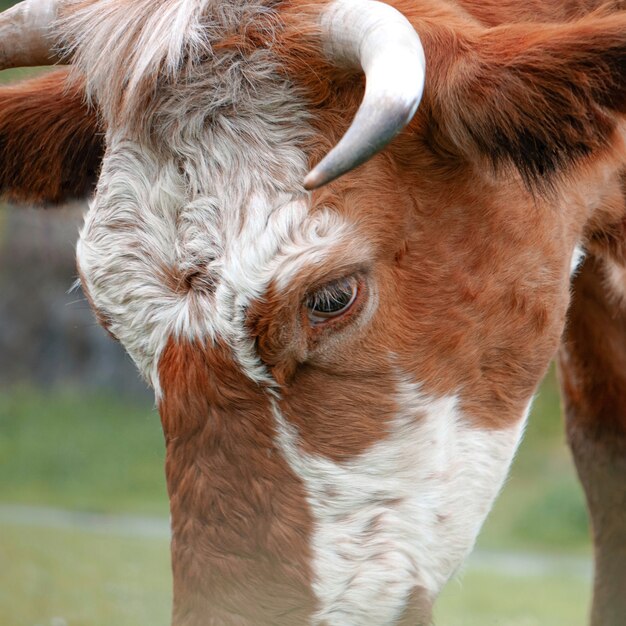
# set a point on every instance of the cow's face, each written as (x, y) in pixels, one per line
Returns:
(342, 375)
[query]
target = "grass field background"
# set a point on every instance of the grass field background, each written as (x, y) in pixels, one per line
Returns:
(98, 453)
(65, 448)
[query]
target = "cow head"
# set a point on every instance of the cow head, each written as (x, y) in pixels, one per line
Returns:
(343, 374)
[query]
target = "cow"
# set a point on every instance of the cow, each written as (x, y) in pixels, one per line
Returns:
(342, 241)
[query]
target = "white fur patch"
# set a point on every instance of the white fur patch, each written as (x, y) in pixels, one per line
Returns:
(200, 202)
(578, 256)
(402, 515)
(159, 264)
(616, 280)
(125, 49)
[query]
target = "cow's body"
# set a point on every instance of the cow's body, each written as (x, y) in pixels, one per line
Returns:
(335, 469)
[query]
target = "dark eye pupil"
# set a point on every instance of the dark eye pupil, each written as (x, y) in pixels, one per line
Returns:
(332, 299)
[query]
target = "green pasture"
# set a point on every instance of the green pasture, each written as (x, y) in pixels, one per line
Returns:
(89, 452)
(105, 454)
(21, 73)
(488, 599)
(63, 578)
(68, 578)
(69, 450)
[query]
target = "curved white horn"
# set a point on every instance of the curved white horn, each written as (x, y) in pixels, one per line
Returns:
(25, 37)
(378, 39)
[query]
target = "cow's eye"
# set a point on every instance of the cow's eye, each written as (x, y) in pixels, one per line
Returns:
(332, 300)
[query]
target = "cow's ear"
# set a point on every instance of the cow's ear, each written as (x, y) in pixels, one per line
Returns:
(540, 97)
(51, 145)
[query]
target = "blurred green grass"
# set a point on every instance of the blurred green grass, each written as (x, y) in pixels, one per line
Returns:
(81, 451)
(70, 578)
(55, 577)
(21, 73)
(104, 453)
(487, 599)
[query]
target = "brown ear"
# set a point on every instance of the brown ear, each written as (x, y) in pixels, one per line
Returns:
(50, 143)
(537, 96)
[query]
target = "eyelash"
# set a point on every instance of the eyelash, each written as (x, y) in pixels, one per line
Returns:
(332, 300)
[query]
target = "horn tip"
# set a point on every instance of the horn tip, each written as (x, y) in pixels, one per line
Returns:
(314, 179)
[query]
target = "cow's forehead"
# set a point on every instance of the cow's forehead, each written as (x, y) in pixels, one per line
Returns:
(200, 204)
(177, 68)
(162, 258)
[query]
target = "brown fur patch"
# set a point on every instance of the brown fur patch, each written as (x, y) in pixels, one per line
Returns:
(496, 12)
(593, 356)
(606, 232)
(601, 464)
(592, 364)
(419, 609)
(50, 141)
(540, 99)
(340, 412)
(484, 256)
(239, 518)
